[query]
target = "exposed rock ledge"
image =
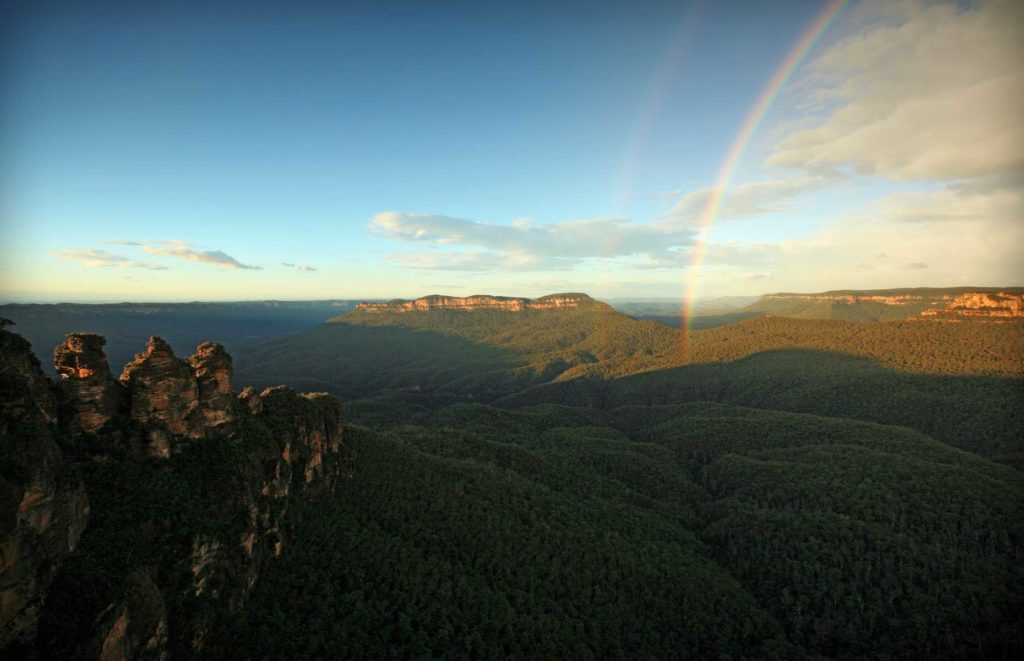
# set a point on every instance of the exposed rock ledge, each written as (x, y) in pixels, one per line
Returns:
(949, 305)
(1001, 305)
(485, 302)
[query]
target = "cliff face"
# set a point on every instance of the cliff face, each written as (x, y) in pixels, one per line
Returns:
(852, 299)
(483, 302)
(86, 380)
(983, 305)
(232, 466)
(43, 509)
(949, 305)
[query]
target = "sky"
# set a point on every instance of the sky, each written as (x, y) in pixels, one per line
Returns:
(241, 151)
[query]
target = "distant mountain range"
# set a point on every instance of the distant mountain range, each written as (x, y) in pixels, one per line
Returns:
(953, 303)
(127, 326)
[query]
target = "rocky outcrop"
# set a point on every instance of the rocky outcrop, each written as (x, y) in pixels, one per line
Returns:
(174, 399)
(86, 380)
(212, 367)
(163, 391)
(249, 459)
(483, 302)
(982, 305)
(314, 431)
(43, 510)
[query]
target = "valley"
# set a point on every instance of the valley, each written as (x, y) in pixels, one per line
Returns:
(547, 478)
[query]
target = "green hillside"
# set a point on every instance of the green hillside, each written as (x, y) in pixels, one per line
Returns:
(484, 353)
(921, 347)
(576, 483)
(958, 382)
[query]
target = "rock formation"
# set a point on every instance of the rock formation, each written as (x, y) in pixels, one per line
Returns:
(274, 446)
(42, 511)
(982, 305)
(86, 379)
(483, 302)
(212, 368)
(163, 391)
(174, 399)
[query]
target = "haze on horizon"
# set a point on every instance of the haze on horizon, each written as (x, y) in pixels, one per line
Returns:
(240, 151)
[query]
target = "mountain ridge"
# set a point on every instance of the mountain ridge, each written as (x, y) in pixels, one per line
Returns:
(485, 302)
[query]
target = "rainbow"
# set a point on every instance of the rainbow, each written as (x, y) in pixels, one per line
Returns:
(757, 112)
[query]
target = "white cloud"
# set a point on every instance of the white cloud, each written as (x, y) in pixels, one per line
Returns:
(930, 92)
(185, 250)
(747, 200)
(948, 237)
(523, 245)
(92, 258)
(301, 267)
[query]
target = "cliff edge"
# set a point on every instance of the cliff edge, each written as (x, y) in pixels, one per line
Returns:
(485, 302)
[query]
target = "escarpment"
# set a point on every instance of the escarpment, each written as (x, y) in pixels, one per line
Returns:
(483, 302)
(935, 304)
(992, 305)
(186, 489)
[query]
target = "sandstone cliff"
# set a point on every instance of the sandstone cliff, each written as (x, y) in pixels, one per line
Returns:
(192, 487)
(86, 380)
(941, 304)
(484, 302)
(981, 305)
(852, 299)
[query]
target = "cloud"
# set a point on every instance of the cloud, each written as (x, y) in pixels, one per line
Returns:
(92, 258)
(747, 200)
(964, 239)
(123, 243)
(953, 204)
(186, 251)
(925, 92)
(300, 267)
(523, 245)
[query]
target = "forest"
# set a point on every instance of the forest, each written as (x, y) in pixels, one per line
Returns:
(581, 484)
(725, 531)
(572, 484)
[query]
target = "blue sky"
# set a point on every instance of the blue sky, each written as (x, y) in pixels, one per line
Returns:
(153, 152)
